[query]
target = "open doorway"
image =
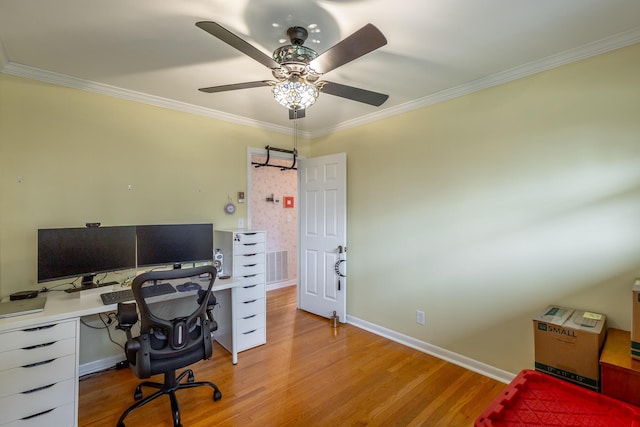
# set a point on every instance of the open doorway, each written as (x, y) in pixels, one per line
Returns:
(272, 207)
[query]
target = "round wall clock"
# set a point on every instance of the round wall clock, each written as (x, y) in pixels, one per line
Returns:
(230, 208)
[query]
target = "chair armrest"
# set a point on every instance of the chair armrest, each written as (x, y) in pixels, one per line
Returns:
(213, 325)
(127, 316)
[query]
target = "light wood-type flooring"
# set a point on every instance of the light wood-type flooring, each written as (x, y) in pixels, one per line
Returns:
(308, 374)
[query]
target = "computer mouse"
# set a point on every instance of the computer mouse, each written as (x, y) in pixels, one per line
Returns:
(189, 286)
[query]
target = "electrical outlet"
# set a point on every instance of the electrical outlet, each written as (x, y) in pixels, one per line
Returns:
(420, 317)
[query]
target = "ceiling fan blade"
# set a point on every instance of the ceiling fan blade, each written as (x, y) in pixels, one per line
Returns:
(235, 86)
(354, 93)
(297, 114)
(233, 40)
(363, 41)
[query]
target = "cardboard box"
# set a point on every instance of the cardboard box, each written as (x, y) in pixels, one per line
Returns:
(635, 320)
(568, 344)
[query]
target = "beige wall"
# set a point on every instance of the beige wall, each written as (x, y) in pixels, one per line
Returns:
(77, 152)
(482, 210)
(479, 211)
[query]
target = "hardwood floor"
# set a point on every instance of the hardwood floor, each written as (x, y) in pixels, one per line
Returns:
(308, 374)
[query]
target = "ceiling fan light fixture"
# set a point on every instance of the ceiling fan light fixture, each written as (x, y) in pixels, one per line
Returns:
(295, 94)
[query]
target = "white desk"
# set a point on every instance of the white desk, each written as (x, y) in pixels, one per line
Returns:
(40, 351)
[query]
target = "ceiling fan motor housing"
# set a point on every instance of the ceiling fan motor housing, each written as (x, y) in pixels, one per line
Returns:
(297, 35)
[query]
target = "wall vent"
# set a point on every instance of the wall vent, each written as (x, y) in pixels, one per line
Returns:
(277, 266)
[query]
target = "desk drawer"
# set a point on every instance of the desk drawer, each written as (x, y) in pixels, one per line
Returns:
(251, 322)
(251, 339)
(62, 416)
(37, 353)
(37, 335)
(248, 270)
(247, 248)
(249, 308)
(248, 238)
(29, 377)
(23, 405)
(253, 279)
(249, 259)
(250, 292)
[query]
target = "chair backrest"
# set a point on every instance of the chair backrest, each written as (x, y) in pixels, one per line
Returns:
(174, 328)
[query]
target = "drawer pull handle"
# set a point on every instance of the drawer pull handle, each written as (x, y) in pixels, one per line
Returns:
(249, 317)
(250, 265)
(250, 286)
(249, 244)
(249, 332)
(38, 414)
(250, 234)
(250, 302)
(33, 347)
(33, 365)
(250, 275)
(33, 390)
(39, 328)
(249, 255)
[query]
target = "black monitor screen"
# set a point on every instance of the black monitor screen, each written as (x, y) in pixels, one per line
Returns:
(71, 252)
(174, 243)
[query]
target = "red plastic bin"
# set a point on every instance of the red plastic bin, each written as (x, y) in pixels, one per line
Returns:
(540, 400)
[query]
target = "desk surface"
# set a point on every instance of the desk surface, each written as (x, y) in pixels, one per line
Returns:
(617, 350)
(62, 306)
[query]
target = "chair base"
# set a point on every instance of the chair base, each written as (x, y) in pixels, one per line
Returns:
(170, 386)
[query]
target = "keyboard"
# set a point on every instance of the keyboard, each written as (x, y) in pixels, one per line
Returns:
(115, 297)
(124, 295)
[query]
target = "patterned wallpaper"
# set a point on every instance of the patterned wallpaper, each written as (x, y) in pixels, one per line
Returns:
(279, 222)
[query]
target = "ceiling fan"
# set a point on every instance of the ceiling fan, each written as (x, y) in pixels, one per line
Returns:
(297, 68)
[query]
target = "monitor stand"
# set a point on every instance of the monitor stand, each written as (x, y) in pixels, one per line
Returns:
(88, 283)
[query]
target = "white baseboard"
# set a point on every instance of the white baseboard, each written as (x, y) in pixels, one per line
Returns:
(100, 365)
(279, 285)
(440, 353)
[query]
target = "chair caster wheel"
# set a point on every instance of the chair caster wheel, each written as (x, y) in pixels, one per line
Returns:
(190, 378)
(217, 395)
(137, 395)
(120, 425)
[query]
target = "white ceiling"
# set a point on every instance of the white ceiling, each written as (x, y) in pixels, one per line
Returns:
(151, 50)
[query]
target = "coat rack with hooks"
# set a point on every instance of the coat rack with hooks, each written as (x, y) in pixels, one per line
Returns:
(269, 149)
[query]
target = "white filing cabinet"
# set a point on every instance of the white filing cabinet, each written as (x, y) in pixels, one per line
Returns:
(39, 375)
(244, 259)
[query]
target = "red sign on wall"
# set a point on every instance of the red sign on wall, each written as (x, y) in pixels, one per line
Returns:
(288, 201)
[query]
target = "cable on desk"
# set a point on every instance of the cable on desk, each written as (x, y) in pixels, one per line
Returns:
(51, 288)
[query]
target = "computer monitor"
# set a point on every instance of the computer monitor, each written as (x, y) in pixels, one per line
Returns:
(65, 253)
(174, 244)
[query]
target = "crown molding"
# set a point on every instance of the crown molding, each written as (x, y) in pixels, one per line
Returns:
(39, 74)
(617, 41)
(588, 50)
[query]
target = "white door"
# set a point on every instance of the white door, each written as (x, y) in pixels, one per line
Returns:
(322, 188)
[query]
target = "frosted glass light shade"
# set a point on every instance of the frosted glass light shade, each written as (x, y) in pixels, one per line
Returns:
(295, 95)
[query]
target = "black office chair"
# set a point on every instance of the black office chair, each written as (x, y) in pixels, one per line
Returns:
(175, 331)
